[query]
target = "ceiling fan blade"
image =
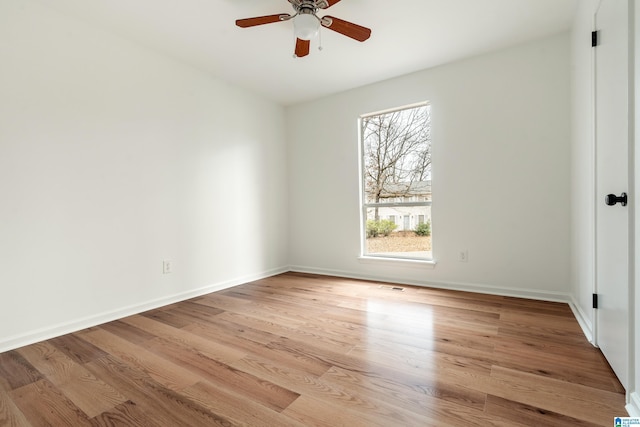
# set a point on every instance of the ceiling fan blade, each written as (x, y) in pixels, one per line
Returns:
(261, 20)
(329, 3)
(302, 47)
(346, 28)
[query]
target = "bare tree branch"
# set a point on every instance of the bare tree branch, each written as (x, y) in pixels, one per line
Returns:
(397, 152)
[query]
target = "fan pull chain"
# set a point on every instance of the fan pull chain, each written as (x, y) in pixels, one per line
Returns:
(320, 38)
(295, 40)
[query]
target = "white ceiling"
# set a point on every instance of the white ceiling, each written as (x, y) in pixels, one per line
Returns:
(407, 36)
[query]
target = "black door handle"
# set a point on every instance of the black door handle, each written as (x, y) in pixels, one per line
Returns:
(612, 199)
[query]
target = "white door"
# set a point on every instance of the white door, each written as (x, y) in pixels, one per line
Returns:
(612, 163)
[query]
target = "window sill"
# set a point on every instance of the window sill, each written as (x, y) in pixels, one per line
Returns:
(409, 262)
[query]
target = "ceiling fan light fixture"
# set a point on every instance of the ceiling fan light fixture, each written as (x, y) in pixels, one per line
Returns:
(306, 26)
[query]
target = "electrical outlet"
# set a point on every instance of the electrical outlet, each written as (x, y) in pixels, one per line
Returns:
(167, 267)
(463, 255)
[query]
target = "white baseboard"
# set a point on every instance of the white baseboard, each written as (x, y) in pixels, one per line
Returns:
(583, 320)
(32, 337)
(633, 407)
(454, 286)
(76, 325)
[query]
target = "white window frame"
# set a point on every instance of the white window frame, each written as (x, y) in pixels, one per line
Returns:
(384, 258)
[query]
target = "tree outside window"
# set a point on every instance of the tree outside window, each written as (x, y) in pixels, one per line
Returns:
(396, 182)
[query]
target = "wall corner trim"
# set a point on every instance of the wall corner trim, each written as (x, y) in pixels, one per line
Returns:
(583, 320)
(633, 407)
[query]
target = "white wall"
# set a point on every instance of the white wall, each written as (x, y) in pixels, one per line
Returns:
(113, 158)
(501, 173)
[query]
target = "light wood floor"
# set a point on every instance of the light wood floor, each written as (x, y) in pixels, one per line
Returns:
(303, 350)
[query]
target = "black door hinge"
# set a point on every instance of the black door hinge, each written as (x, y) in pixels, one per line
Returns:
(594, 38)
(595, 300)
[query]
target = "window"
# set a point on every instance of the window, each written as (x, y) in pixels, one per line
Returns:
(396, 183)
(406, 225)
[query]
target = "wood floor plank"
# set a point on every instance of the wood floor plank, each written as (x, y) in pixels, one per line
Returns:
(544, 308)
(87, 392)
(285, 375)
(359, 408)
(270, 325)
(398, 320)
(43, 404)
(269, 313)
(125, 414)
(415, 396)
(167, 317)
(549, 322)
(140, 388)
(223, 302)
(304, 361)
(300, 349)
(16, 372)
(214, 349)
(193, 312)
(534, 332)
(315, 412)
(570, 399)
(489, 306)
(417, 365)
(241, 338)
(169, 375)
(312, 412)
(224, 376)
(10, 415)
(530, 415)
(78, 349)
(589, 371)
(310, 335)
(159, 404)
(237, 407)
(129, 332)
(442, 340)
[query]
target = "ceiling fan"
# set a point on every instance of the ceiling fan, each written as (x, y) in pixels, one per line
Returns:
(306, 23)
